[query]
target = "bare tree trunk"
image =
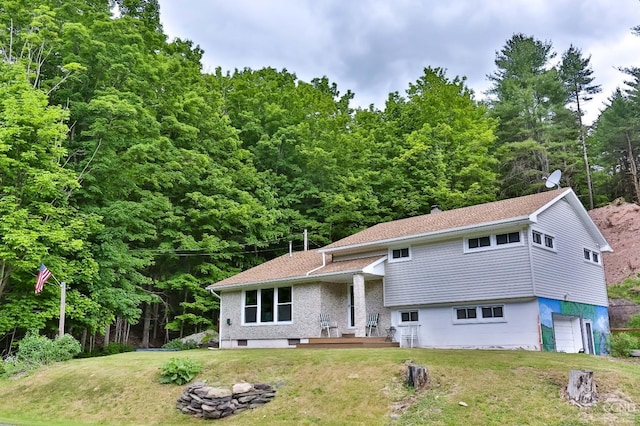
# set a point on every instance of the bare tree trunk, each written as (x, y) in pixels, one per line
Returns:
(583, 142)
(107, 335)
(156, 308)
(5, 273)
(582, 388)
(146, 326)
(633, 169)
(417, 376)
(83, 339)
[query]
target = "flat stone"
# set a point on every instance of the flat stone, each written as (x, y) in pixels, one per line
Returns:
(219, 393)
(242, 387)
(635, 353)
(208, 408)
(262, 386)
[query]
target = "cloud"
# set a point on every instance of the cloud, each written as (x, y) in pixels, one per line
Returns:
(374, 47)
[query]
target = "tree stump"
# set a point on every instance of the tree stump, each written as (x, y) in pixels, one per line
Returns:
(582, 388)
(417, 376)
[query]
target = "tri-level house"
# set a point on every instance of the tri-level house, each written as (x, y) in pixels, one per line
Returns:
(523, 273)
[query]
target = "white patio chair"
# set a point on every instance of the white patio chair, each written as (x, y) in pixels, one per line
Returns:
(327, 325)
(372, 323)
(410, 334)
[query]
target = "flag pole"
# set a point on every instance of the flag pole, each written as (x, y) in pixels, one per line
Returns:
(63, 294)
(63, 297)
(63, 301)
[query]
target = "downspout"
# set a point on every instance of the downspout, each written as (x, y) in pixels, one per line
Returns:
(324, 263)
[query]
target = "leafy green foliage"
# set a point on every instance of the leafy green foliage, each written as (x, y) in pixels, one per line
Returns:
(179, 371)
(179, 345)
(117, 348)
(627, 289)
(35, 350)
(623, 343)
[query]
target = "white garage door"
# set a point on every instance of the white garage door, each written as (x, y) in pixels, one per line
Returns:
(567, 334)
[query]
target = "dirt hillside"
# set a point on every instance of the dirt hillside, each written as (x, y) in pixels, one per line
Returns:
(619, 222)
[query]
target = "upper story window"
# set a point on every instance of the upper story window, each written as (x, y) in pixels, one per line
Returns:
(510, 238)
(267, 305)
(487, 242)
(543, 240)
(399, 254)
(591, 256)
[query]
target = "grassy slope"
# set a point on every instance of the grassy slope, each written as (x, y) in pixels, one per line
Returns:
(358, 386)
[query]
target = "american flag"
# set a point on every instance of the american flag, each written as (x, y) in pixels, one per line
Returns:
(43, 275)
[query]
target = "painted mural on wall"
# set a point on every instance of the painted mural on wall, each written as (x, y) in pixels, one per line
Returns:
(599, 316)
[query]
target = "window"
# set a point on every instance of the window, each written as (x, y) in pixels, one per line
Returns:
(510, 238)
(466, 313)
(491, 241)
(251, 306)
(400, 254)
(492, 312)
(591, 256)
(543, 240)
(478, 314)
(409, 316)
(479, 242)
(536, 237)
(272, 304)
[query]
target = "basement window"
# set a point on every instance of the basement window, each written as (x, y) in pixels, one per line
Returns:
(409, 316)
(478, 314)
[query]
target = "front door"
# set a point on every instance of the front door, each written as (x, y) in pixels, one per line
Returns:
(352, 308)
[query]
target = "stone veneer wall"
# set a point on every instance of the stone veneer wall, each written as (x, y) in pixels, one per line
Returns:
(209, 402)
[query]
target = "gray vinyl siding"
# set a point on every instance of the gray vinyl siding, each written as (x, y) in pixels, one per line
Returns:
(441, 272)
(564, 275)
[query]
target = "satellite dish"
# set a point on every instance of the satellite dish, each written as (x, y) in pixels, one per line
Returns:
(553, 179)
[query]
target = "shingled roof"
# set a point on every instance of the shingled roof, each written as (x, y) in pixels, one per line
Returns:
(295, 266)
(308, 265)
(498, 211)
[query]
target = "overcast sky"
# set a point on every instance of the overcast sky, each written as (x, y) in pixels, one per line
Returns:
(375, 47)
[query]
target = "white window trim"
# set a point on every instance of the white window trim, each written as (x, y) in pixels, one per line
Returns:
(259, 323)
(390, 258)
(409, 311)
(591, 261)
(493, 242)
(542, 245)
(478, 319)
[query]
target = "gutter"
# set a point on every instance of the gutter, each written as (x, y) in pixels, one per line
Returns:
(524, 220)
(324, 263)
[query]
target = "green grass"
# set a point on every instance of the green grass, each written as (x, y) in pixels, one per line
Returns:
(330, 387)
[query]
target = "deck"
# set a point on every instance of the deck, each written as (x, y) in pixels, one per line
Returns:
(348, 342)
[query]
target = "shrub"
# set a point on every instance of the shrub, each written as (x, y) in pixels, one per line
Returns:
(117, 348)
(623, 343)
(179, 371)
(35, 350)
(179, 345)
(65, 348)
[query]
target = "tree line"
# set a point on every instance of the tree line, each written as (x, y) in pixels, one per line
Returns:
(139, 179)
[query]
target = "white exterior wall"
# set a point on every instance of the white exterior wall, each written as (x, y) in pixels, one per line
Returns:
(564, 274)
(437, 329)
